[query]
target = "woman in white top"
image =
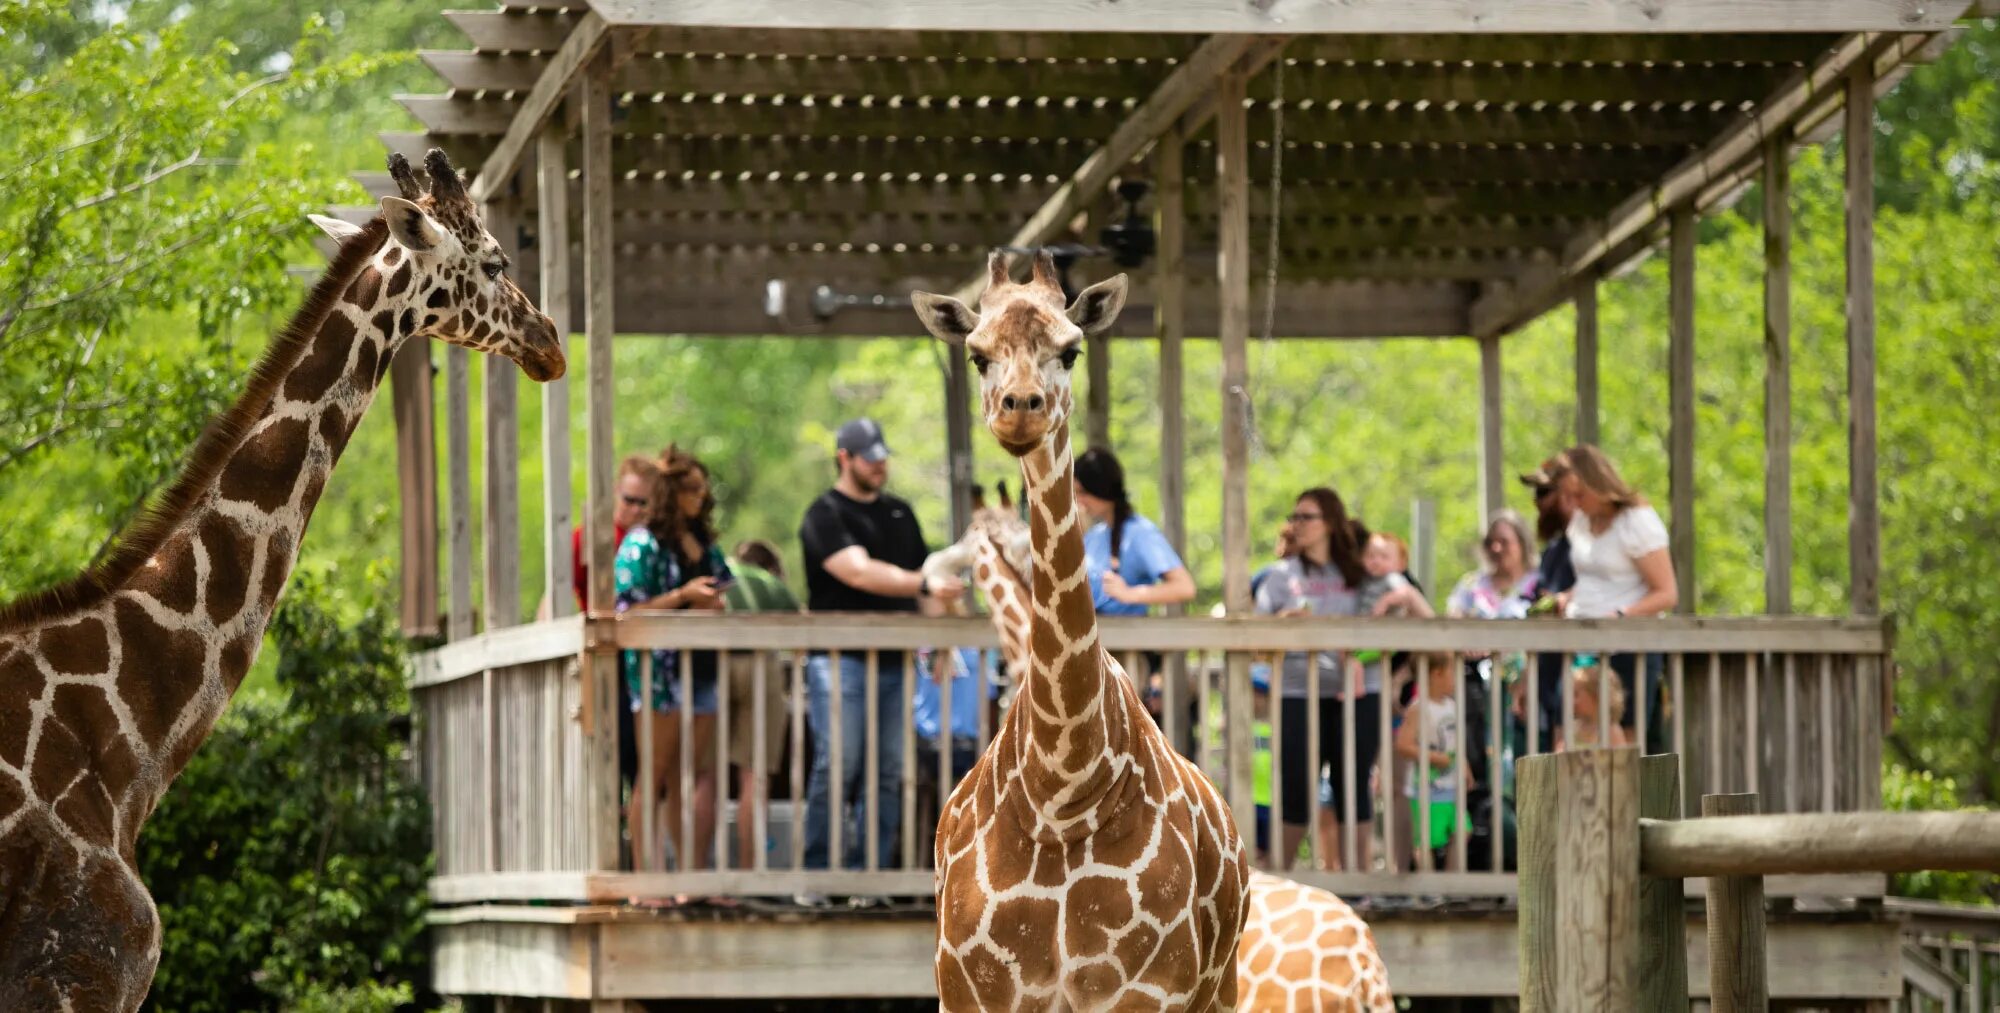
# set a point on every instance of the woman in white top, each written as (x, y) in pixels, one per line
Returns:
(1619, 548)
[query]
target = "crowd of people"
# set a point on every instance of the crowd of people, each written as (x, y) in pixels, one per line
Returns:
(1603, 555)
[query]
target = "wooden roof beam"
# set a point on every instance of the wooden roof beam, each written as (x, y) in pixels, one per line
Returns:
(1181, 90)
(589, 35)
(1300, 16)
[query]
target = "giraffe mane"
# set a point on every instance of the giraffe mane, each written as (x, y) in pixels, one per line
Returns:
(219, 441)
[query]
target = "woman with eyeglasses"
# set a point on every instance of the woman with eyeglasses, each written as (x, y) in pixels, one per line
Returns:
(672, 561)
(1322, 577)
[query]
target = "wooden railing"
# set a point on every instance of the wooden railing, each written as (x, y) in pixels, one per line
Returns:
(520, 738)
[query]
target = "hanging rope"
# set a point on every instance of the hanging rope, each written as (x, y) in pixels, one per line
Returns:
(1250, 435)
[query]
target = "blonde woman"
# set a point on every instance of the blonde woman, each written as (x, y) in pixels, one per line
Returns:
(1618, 545)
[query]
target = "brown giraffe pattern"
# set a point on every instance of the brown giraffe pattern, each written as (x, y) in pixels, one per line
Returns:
(1303, 949)
(1083, 864)
(995, 547)
(109, 683)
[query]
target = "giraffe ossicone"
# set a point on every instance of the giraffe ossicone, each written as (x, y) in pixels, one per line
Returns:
(111, 680)
(1083, 864)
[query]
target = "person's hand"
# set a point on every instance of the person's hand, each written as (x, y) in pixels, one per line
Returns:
(1398, 598)
(947, 588)
(1116, 589)
(1295, 612)
(700, 593)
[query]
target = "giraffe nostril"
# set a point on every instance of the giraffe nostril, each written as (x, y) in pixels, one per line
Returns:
(1035, 403)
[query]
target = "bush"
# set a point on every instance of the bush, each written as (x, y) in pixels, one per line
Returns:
(1904, 790)
(289, 860)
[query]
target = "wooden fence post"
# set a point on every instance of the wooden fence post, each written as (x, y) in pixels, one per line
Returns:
(1736, 965)
(1663, 975)
(1597, 892)
(1535, 794)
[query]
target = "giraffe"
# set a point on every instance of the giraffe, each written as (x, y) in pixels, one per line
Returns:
(995, 548)
(1303, 949)
(109, 682)
(1084, 864)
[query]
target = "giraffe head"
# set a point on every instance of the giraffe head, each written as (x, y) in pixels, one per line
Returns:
(463, 294)
(1023, 341)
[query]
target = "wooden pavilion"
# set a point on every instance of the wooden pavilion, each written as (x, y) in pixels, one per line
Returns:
(1446, 169)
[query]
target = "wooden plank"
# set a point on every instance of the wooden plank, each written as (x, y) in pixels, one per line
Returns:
(1801, 843)
(525, 124)
(1848, 636)
(1097, 392)
(552, 240)
(1737, 974)
(1367, 17)
(1166, 104)
(958, 407)
(1663, 977)
(1492, 459)
(497, 31)
(1597, 890)
(501, 486)
(1233, 287)
(1864, 525)
(1585, 298)
(458, 469)
(1777, 380)
(412, 397)
(599, 279)
(517, 645)
(1681, 395)
(1169, 318)
(1536, 791)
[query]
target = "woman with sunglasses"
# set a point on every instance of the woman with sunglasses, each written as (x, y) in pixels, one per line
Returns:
(1322, 577)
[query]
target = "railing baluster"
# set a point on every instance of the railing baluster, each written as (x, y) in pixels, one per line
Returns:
(1274, 713)
(944, 675)
(643, 830)
(1532, 697)
(983, 693)
(1713, 740)
(836, 795)
(1605, 677)
(871, 763)
(1642, 670)
(796, 829)
(908, 773)
(1753, 741)
(685, 847)
(1829, 801)
(1679, 662)
(1426, 860)
(1321, 849)
(1569, 700)
(722, 707)
(1201, 717)
(1460, 767)
(1791, 732)
(1495, 758)
(758, 797)
(1385, 766)
(1348, 834)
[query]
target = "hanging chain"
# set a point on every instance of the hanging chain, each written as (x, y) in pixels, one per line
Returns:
(1255, 442)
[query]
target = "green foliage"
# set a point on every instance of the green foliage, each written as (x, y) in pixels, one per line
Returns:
(1904, 790)
(289, 859)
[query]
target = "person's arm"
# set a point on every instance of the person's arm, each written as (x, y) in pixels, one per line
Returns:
(854, 567)
(1406, 733)
(1664, 592)
(1173, 588)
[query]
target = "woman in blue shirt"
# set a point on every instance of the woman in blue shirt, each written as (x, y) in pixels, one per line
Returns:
(1131, 565)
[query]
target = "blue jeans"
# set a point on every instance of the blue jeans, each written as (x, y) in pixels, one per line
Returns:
(853, 744)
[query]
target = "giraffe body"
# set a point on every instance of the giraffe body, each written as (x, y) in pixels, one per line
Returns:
(110, 682)
(1303, 950)
(1083, 864)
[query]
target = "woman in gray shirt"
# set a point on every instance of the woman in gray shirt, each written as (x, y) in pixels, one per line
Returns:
(1322, 578)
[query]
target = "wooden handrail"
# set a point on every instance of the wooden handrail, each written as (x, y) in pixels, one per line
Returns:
(1821, 843)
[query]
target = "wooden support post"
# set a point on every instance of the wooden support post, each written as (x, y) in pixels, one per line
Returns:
(601, 666)
(1423, 541)
(1680, 369)
(1169, 321)
(1097, 399)
(552, 237)
(458, 470)
(1535, 790)
(1736, 971)
(412, 397)
(1492, 465)
(501, 485)
(1663, 974)
(1864, 552)
(958, 438)
(1777, 379)
(1597, 891)
(1586, 361)
(1232, 150)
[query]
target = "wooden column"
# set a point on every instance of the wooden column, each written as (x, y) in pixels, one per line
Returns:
(1097, 399)
(412, 398)
(1777, 379)
(1736, 965)
(1680, 399)
(1535, 786)
(958, 437)
(1864, 527)
(1492, 465)
(601, 666)
(1586, 361)
(1170, 323)
(458, 483)
(1232, 150)
(501, 480)
(1663, 973)
(552, 234)
(1597, 885)
(1423, 542)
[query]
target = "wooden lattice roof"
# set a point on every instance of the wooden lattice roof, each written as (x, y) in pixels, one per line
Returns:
(1430, 184)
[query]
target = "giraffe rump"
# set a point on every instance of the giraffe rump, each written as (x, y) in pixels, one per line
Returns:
(143, 536)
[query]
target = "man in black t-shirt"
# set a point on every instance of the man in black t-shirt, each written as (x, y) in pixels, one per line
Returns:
(862, 549)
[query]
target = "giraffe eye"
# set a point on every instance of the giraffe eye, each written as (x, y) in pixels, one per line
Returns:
(980, 362)
(493, 269)
(1069, 356)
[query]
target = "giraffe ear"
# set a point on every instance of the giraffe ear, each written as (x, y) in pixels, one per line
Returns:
(945, 317)
(341, 231)
(1096, 307)
(411, 226)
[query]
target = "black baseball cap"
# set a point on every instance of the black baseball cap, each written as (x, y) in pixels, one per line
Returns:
(862, 437)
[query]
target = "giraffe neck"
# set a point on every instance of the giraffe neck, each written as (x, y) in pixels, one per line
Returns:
(1075, 744)
(1006, 591)
(189, 623)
